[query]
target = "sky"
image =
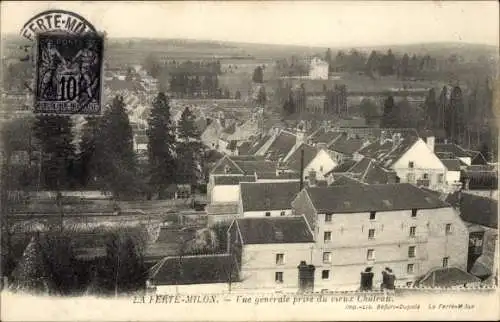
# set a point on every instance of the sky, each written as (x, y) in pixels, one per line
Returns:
(311, 23)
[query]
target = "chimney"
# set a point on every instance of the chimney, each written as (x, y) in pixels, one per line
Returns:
(300, 134)
(301, 169)
(321, 146)
(312, 178)
(382, 137)
(430, 140)
(396, 139)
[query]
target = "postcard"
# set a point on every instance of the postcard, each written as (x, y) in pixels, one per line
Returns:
(249, 161)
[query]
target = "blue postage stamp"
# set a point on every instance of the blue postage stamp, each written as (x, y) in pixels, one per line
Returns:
(68, 73)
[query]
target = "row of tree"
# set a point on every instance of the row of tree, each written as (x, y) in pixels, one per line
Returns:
(105, 157)
(466, 118)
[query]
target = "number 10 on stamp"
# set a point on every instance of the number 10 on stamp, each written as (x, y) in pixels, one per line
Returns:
(69, 74)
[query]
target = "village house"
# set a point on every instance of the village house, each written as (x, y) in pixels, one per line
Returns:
(413, 159)
(480, 215)
(365, 170)
(267, 199)
(315, 161)
(270, 250)
(318, 68)
(405, 229)
(454, 151)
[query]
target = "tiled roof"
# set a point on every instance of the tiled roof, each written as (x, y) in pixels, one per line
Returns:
(475, 209)
(274, 230)
(232, 180)
(378, 197)
(141, 139)
(454, 149)
(261, 196)
(345, 145)
(451, 164)
(244, 148)
(294, 161)
(274, 176)
(345, 180)
(447, 277)
(194, 270)
(232, 145)
(258, 166)
(222, 209)
(323, 136)
(388, 153)
(281, 146)
(247, 158)
(344, 166)
(258, 143)
(360, 167)
(350, 123)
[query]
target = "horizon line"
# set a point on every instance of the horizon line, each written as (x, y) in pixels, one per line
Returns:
(10, 34)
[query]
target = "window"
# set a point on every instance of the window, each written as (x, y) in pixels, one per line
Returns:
(414, 213)
(325, 274)
(448, 229)
(268, 214)
(282, 213)
(411, 251)
(370, 255)
(328, 217)
(440, 178)
(410, 268)
(278, 277)
(371, 233)
(425, 176)
(410, 177)
(327, 236)
(327, 257)
(321, 168)
(372, 215)
(280, 259)
(413, 230)
(227, 169)
(445, 261)
(411, 165)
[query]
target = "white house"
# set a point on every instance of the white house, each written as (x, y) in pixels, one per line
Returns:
(318, 69)
(413, 159)
(317, 161)
(452, 171)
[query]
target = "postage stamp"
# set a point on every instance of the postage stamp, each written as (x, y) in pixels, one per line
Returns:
(68, 73)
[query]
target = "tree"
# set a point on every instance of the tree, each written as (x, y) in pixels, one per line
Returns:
(431, 109)
(261, 98)
(328, 56)
(87, 156)
(54, 136)
(369, 110)
(389, 116)
(442, 108)
(124, 270)
(189, 149)
(258, 75)
(289, 105)
(116, 160)
(152, 66)
(405, 65)
(32, 273)
(455, 115)
(161, 147)
(373, 63)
